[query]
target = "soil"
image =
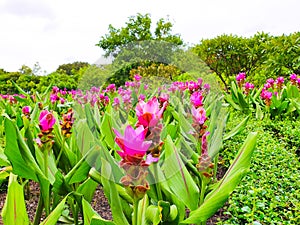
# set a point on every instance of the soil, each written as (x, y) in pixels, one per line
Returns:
(99, 202)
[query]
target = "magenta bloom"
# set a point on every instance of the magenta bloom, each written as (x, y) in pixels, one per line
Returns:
(293, 78)
(199, 115)
(133, 142)
(164, 97)
(149, 113)
(271, 81)
(240, 77)
(266, 95)
(197, 99)
(116, 102)
(137, 77)
(26, 110)
(204, 149)
(47, 121)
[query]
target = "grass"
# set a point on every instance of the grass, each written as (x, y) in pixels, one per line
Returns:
(269, 193)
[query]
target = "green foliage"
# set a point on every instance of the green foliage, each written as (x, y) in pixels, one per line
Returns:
(94, 76)
(71, 68)
(260, 56)
(269, 194)
(138, 28)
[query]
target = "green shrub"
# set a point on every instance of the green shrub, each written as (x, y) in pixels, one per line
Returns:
(269, 194)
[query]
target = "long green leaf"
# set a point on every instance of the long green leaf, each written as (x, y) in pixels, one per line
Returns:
(55, 214)
(111, 192)
(241, 126)
(217, 197)
(178, 178)
(14, 210)
(90, 216)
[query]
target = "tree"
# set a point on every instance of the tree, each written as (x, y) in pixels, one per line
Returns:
(137, 29)
(72, 68)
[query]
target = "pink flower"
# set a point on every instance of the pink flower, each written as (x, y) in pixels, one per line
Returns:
(196, 99)
(133, 143)
(137, 77)
(240, 77)
(111, 88)
(199, 115)
(54, 98)
(149, 113)
(293, 79)
(47, 121)
(116, 102)
(204, 143)
(164, 97)
(271, 82)
(26, 110)
(279, 82)
(142, 97)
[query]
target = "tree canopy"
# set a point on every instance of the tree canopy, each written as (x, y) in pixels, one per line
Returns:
(137, 28)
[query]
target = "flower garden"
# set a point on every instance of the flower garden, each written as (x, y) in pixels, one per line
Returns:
(172, 155)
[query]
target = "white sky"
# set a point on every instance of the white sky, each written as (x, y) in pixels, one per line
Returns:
(54, 32)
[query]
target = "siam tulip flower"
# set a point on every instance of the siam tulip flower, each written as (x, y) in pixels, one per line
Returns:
(193, 86)
(298, 82)
(206, 87)
(62, 100)
(55, 89)
(47, 121)
(271, 82)
(116, 102)
(248, 86)
(279, 82)
(142, 97)
(12, 100)
(137, 77)
(200, 81)
(133, 144)
(293, 78)
(26, 110)
(199, 115)
(197, 99)
(205, 165)
(67, 123)
(95, 89)
(164, 97)
(111, 88)
(54, 98)
(266, 96)
(204, 149)
(146, 86)
(149, 113)
(240, 78)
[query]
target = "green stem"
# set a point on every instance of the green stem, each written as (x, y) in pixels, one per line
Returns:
(203, 188)
(157, 185)
(135, 211)
(202, 194)
(47, 195)
(216, 159)
(60, 151)
(39, 211)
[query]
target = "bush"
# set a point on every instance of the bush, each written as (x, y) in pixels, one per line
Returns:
(269, 194)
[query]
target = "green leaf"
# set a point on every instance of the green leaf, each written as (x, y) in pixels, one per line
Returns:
(240, 127)
(87, 189)
(218, 196)
(177, 176)
(106, 130)
(14, 209)
(19, 154)
(90, 216)
(111, 193)
(55, 214)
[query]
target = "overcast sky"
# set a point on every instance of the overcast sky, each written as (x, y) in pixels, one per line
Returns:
(54, 32)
